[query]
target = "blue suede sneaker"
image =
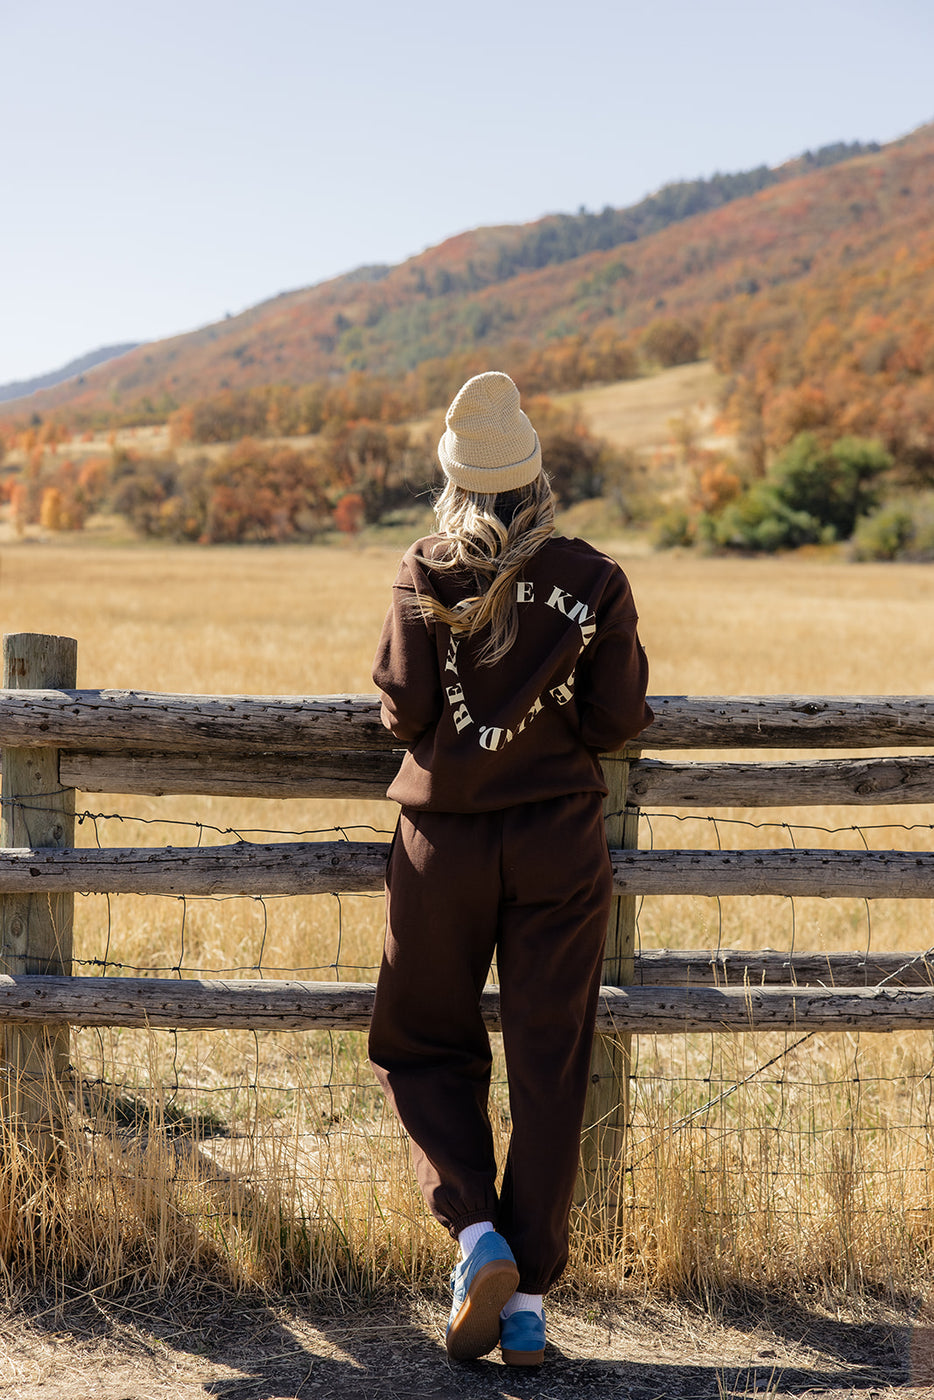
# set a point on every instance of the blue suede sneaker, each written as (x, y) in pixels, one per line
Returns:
(482, 1283)
(522, 1339)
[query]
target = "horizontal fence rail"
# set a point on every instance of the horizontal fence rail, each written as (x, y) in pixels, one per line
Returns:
(825, 782)
(335, 747)
(189, 1004)
(767, 967)
(826, 874)
(287, 867)
(367, 774)
(358, 867)
(217, 724)
(208, 723)
(357, 774)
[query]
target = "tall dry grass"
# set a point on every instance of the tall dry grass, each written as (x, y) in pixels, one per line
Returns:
(269, 1159)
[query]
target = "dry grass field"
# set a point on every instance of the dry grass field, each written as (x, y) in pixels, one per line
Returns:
(635, 412)
(267, 1159)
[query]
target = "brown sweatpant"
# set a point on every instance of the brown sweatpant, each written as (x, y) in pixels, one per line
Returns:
(533, 883)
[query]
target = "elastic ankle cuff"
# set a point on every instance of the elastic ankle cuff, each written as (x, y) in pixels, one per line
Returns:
(474, 1217)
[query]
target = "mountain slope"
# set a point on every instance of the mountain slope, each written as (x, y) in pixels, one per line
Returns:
(21, 388)
(801, 228)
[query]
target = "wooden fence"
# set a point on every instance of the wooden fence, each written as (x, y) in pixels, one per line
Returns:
(56, 739)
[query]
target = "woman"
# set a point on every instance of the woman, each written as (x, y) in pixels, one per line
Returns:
(509, 660)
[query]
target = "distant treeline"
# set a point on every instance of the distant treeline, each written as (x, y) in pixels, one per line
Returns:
(357, 471)
(560, 238)
(555, 366)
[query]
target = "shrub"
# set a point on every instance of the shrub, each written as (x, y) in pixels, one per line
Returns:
(139, 491)
(576, 462)
(884, 534)
(760, 520)
(670, 342)
(674, 530)
(813, 494)
(835, 485)
(900, 530)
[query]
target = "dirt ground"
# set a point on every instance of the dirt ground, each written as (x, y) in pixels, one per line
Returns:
(211, 1344)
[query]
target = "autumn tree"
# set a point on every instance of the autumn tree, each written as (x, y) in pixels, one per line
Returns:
(267, 494)
(50, 509)
(19, 507)
(577, 463)
(376, 461)
(349, 513)
(670, 342)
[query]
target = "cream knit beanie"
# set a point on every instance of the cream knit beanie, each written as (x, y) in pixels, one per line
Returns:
(489, 445)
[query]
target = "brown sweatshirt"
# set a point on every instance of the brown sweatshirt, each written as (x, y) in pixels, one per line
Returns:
(532, 726)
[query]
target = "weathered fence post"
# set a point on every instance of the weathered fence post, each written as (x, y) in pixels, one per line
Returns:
(606, 1113)
(35, 929)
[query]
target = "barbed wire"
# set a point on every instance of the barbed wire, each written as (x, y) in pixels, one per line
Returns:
(342, 829)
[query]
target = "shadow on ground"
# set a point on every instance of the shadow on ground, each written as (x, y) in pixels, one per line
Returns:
(213, 1344)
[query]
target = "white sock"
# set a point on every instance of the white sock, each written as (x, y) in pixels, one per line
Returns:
(523, 1302)
(469, 1236)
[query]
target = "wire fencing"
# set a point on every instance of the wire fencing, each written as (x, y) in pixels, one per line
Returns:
(800, 1155)
(782, 1149)
(732, 1150)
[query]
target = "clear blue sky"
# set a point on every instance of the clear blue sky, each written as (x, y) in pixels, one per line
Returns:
(166, 163)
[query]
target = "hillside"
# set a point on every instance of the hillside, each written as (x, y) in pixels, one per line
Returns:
(22, 388)
(684, 252)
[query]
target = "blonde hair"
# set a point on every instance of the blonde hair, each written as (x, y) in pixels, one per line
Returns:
(493, 535)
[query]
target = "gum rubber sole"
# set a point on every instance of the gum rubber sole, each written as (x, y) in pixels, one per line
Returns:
(475, 1329)
(523, 1358)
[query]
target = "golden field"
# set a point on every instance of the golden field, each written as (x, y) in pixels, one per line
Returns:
(268, 1158)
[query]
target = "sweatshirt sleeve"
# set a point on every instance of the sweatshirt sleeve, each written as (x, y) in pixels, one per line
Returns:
(406, 666)
(612, 675)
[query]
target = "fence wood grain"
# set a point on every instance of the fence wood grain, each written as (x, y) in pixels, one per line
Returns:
(332, 774)
(185, 1004)
(824, 874)
(825, 782)
(790, 722)
(768, 967)
(206, 724)
(273, 868)
(82, 719)
(357, 867)
(367, 774)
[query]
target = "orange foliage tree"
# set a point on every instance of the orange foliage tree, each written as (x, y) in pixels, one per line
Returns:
(349, 513)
